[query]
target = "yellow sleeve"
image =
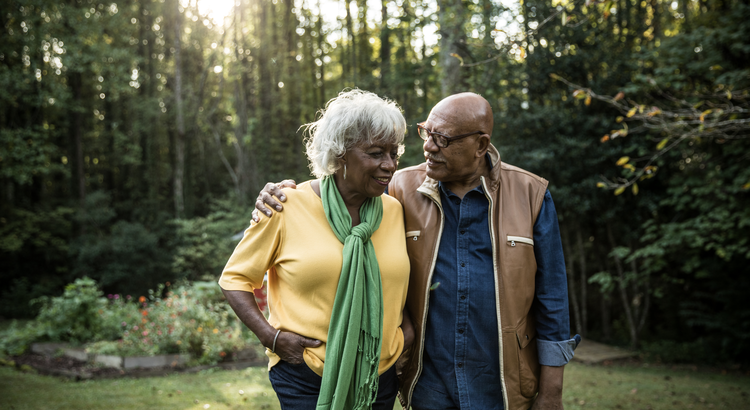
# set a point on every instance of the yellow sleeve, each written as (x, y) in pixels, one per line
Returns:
(254, 255)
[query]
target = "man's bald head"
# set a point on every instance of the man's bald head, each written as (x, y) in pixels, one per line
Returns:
(465, 111)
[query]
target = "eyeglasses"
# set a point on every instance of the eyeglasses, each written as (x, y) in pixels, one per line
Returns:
(439, 139)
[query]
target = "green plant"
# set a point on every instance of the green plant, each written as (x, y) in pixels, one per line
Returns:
(204, 244)
(191, 319)
(81, 314)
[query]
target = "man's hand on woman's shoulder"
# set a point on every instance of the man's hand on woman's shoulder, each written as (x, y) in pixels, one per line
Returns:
(267, 198)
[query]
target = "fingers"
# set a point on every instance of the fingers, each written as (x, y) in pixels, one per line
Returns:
(287, 183)
(274, 190)
(307, 342)
(266, 199)
(291, 346)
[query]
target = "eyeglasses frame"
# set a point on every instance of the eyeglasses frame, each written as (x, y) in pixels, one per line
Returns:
(448, 139)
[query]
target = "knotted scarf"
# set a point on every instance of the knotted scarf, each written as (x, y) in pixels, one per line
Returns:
(350, 374)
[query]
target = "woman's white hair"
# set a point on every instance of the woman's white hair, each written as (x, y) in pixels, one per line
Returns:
(349, 119)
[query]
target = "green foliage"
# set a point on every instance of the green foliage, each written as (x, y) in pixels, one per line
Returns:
(91, 177)
(191, 318)
(34, 245)
(80, 315)
(123, 255)
(203, 244)
(188, 319)
(700, 351)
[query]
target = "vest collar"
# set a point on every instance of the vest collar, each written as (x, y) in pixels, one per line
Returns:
(430, 186)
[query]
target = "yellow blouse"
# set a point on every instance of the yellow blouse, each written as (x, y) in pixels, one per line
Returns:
(303, 258)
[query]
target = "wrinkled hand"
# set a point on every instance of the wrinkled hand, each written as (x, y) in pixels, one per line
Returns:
(290, 346)
(266, 197)
(545, 402)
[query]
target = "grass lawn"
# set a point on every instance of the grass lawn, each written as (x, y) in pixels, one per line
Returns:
(602, 387)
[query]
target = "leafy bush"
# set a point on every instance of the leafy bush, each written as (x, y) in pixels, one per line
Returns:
(34, 251)
(668, 351)
(124, 255)
(189, 319)
(82, 314)
(204, 244)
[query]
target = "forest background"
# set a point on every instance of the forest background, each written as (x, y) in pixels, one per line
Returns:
(135, 135)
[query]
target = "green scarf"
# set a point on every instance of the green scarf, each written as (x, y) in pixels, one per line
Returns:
(350, 374)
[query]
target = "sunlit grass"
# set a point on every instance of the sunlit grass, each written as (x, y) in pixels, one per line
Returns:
(241, 389)
(586, 387)
(644, 387)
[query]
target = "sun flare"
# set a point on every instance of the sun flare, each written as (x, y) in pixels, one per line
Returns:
(215, 9)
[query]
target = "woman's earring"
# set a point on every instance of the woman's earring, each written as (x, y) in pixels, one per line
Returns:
(344, 171)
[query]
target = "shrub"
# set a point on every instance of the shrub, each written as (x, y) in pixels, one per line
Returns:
(703, 350)
(80, 315)
(191, 318)
(203, 244)
(188, 319)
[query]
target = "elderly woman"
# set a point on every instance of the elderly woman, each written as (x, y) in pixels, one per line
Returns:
(337, 265)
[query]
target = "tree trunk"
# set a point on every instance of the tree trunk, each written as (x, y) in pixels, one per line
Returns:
(385, 47)
(572, 281)
(643, 297)
(352, 44)
(77, 135)
(452, 37)
(292, 85)
(584, 281)
(319, 29)
(179, 143)
(623, 292)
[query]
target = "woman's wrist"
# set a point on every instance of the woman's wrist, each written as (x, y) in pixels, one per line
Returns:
(268, 336)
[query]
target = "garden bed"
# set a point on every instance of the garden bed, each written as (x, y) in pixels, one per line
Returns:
(60, 359)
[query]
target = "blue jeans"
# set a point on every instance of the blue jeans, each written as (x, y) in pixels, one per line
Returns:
(298, 387)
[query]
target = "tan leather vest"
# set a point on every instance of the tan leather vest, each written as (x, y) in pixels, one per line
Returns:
(515, 198)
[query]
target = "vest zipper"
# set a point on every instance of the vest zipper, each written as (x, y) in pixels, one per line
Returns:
(427, 295)
(497, 289)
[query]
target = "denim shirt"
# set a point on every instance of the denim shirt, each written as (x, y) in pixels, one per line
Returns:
(461, 353)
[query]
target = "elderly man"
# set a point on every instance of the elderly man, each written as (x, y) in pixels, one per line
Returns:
(488, 292)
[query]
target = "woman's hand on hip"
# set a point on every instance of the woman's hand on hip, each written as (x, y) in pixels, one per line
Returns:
(290, 346)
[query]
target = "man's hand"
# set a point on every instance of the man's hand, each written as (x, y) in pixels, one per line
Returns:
(266, 197)
(291, 346)
(550, 389)
(408, 328)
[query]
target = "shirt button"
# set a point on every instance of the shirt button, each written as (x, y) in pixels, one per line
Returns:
(460, 364)
(463, 232)
(463, 297)
(463, 264)
(461, 331)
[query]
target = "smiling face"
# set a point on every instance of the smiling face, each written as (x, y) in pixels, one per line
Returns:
(369, 169)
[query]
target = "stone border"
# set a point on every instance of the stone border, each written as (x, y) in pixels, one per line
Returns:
(132, 366)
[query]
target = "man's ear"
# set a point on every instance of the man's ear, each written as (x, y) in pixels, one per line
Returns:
(483, 145)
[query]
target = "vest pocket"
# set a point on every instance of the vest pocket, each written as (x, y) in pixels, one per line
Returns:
(413, 235)
(528, 360)
(514, 240)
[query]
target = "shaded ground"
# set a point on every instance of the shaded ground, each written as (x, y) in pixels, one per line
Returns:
(591, 352)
